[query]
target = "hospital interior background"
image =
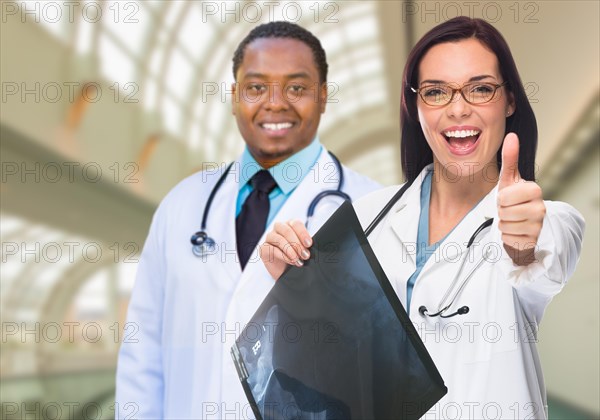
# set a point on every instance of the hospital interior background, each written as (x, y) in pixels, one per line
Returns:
(107, 105)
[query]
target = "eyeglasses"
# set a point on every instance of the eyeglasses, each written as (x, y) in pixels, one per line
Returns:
(475, 93)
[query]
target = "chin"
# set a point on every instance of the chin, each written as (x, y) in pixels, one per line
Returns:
(275, 153)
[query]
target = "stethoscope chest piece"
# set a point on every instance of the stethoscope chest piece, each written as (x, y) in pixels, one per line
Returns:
(202, 244)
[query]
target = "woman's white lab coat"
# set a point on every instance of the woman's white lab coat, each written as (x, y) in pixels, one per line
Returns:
(487, 357)
(186, 311)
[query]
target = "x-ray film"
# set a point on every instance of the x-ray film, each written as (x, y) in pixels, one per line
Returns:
(332, 341)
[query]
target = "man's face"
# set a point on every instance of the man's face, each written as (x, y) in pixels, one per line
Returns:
(278, 98)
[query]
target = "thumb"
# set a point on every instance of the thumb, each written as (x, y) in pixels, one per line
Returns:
(509, 174)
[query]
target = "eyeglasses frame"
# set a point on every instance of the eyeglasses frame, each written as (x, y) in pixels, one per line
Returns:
(460, 89)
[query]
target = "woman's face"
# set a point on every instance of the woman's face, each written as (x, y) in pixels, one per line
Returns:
(464, 138)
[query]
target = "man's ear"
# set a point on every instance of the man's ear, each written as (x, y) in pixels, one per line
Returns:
(323, 96)
(234, 99)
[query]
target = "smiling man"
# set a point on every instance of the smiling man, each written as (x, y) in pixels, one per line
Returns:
(190, 300)
(281, 94)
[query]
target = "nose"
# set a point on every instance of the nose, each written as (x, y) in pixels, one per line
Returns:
(276, 99)
(458, 107)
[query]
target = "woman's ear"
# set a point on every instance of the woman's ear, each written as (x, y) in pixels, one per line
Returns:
(511, 107)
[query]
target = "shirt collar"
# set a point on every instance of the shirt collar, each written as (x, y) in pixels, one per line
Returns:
(288, 173)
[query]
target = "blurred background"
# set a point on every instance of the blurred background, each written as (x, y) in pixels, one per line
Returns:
(107, 105)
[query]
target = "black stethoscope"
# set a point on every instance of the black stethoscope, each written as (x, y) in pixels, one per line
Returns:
(203, 244)
(442, 307)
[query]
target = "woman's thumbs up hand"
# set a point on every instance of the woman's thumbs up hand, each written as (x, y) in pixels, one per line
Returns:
(521, 208)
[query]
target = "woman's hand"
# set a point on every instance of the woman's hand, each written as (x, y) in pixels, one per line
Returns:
(287, 243)
(521, 207)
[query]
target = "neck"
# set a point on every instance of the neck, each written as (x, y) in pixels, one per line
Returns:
(267, 163)
(452, 194)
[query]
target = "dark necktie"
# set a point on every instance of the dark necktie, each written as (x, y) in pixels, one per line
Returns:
(252, 220)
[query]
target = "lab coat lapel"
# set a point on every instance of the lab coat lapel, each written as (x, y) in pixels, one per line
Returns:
(404, 218)
(323, 176)
(255, 282)
(453, 248)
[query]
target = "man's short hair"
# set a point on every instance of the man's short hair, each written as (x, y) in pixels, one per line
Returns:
(287, 30)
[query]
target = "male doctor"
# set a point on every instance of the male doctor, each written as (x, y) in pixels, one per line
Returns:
(187, 310)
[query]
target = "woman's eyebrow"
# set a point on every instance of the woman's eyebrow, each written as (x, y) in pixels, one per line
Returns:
(483, 76)
(472, 79)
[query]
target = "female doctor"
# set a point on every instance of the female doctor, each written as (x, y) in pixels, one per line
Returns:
(471, 248)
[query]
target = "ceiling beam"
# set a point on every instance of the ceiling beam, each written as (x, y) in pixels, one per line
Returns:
(70, 200)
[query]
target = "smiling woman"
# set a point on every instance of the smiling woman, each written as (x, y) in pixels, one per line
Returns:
(469, 236)
(465, 136)
(501, 69)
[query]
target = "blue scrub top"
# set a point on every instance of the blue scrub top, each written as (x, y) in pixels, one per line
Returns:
(424, 250)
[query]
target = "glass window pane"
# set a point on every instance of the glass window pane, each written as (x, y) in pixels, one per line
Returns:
(115, 64)
(373, 93)
(361, 30)
(154, 4)
(352, 10)
(215, 120)
(363, 68)
(127, 273)
(85, 30)
(174, 9)
(91, 302)
(194, 136)
(179, 74)
(128, 22)
(332, 41)
(194, 35)
(53, 16)
(156, 60)
(210, 149)
(172, 115)
(150, 94)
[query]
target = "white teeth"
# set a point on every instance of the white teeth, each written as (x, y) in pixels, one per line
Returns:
(461, 133)
(278, 126)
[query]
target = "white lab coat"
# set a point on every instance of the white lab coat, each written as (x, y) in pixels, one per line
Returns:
(488, 357)
(186, 312)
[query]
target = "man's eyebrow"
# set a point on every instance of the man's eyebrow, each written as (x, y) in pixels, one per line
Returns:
(298, 75)
(472, 79)
(254, 75)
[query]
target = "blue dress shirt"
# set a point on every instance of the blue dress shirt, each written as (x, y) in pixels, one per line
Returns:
(288, 174)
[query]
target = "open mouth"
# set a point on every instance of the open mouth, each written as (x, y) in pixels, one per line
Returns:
(462, 141)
